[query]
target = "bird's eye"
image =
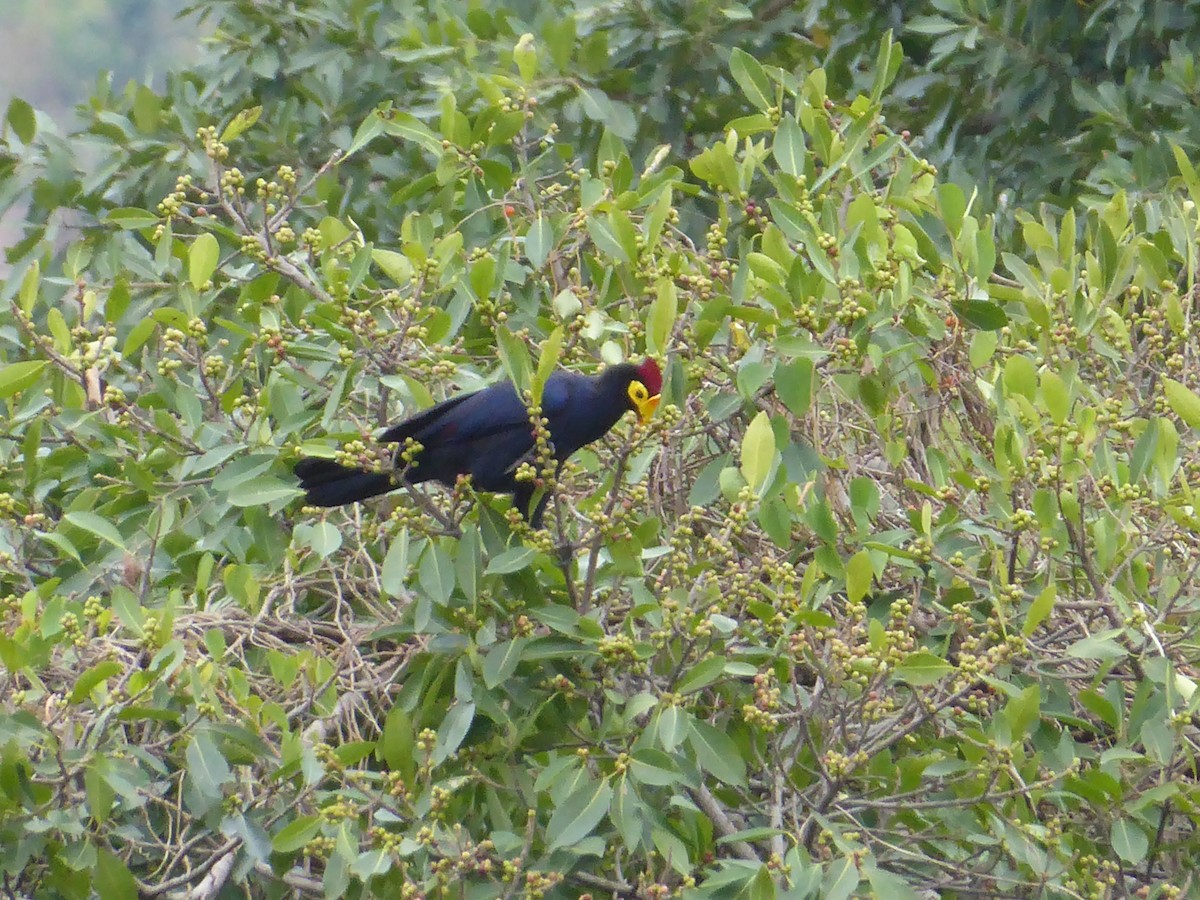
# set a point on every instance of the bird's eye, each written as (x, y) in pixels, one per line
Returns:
(639, 391)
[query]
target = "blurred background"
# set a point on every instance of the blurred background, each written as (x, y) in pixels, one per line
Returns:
(51, 51)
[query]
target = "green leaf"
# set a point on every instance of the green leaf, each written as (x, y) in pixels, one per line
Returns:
(1129, 841)
(396, 266)
(22, 120)
(100, 793)
(15, 377)
(701, 675)
(27, 297)
(776, 520)
(207, 767)
(371, 863)
(841, 879)
(539, 241)
(789, 147)
(983, 348)
(395, 566)
(86, 682)
(716, 753)
(261, 491)
(147, 109)
(760, 833)
(579, 815)
(661, 321)
(673, 850)
(56, 322)
(525, 56)
(654, 767)
(1020, 376)
(436, 574)
(243, 469)
(794, 384)
(716, 165)
(454, 729)
(1098, 646)
(241, 123)
(202, 260)
(547, 362)
(371, 128)
(131, 218)
(138, 335)
(887, 64)
(628, 814)
(751, 78)
(604, 235)
(323, 538)
(296, 834)
(512, 560)
(1190, 179)
(981, 313)
(1183, 402)
(502, 661)
(657, 217)
(859, 573)
(616, 116)
(566, 304)
(758, 450)
(1021, 713)
(888, 884)
(953, 205)
(97, 525)
(1056, 396)
(514, 356)
(396, 742)
(1041, 607)
(922, 668)
(467, 562)
(760, 887)
(408, 127)
(767, 269)
(671, 726)
(562, 619)
(113, 880)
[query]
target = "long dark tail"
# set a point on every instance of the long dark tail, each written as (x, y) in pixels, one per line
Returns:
(330, 484)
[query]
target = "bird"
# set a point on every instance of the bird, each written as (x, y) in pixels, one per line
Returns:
(487, 434)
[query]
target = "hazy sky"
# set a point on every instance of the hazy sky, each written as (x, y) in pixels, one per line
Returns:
(52, 51)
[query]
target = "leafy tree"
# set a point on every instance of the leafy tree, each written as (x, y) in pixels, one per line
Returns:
(1055, 100)
(895, 595)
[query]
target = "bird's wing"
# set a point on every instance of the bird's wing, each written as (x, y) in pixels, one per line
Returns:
(415, 425)
(471, 417)
(556, 395)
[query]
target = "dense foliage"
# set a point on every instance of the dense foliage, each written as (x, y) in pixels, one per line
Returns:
(896, 594)
(1027, 100)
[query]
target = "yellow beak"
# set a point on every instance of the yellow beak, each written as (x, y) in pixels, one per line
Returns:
(646, 408)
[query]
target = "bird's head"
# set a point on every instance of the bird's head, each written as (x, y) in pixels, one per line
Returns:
(645, 388)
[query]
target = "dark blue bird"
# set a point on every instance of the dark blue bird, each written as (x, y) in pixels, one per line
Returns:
(487, 435)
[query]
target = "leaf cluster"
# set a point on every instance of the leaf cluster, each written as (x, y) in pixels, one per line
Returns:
(896, 594)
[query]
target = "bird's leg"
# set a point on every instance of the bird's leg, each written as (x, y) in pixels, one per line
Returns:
(564, 551)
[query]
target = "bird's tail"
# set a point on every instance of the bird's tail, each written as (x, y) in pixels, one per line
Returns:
(330, 484)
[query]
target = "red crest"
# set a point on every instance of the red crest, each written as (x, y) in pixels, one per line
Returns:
(651, 376)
